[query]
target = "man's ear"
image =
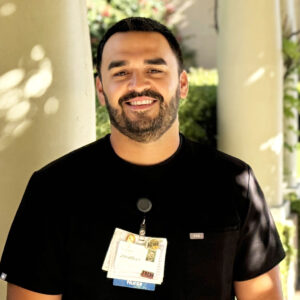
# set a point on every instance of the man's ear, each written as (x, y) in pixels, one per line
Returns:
(184, 84)
(99, 90)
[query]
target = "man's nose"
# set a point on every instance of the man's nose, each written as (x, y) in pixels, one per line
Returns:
(138, 82)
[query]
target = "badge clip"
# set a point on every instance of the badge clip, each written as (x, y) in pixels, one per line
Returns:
(142, 231)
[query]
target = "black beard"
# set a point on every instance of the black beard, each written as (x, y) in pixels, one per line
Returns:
(145, 129)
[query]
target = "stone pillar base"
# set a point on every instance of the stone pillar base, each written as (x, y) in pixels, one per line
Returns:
(281, 212)
(292, 189)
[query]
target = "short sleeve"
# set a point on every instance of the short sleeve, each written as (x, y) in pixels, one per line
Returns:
(32, 257)
(259, 247)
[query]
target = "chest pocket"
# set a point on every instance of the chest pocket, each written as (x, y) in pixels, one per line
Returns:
(207, 262)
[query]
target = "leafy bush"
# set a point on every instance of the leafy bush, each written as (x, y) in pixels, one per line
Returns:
(197, 113)
(287, 241)
(286, 232)
(102, 121)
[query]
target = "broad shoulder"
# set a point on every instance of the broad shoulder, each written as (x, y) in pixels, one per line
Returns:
(215, 159)
(83, 158)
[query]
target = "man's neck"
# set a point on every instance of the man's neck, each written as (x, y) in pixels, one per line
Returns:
(146, 153)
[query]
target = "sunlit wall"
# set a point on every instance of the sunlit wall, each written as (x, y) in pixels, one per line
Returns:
(46, 92)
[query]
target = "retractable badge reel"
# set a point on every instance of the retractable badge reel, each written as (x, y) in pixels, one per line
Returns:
(144, 205)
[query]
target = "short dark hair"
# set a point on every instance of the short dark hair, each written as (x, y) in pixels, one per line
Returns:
(140, 24)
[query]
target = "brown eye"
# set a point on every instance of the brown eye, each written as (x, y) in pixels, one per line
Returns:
(154, 71)
(121, 73)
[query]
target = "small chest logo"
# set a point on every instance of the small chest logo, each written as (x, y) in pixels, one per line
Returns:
(196, 236)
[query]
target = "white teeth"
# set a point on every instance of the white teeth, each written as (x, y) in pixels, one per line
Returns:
(142, 102)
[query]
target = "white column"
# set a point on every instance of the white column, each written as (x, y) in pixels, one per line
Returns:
(46, 92)
(250, 89)
(288, 20)
(297, 13)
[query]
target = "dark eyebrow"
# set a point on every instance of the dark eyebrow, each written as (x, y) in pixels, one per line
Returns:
(117, 63)
(155, 61)
(152, 61)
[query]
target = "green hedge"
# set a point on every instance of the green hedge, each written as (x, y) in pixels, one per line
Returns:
(286, 233)
(197, 113)
(102, 121)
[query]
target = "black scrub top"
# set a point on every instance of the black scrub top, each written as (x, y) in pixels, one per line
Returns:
(71, 207)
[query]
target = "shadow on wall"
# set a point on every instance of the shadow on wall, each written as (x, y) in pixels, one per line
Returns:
(19, 89)
(24, 82)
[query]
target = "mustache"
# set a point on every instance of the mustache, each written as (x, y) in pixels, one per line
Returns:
(147, 93)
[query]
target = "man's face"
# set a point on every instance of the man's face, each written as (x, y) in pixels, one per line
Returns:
(140, 84)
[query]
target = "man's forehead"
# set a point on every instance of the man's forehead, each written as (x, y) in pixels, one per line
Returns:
(135, 43)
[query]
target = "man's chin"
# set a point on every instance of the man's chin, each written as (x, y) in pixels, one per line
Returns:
(141, 134)
(140, 116)
(142, 122)
(140, 129)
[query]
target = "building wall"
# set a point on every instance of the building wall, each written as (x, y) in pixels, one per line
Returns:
(199, 25)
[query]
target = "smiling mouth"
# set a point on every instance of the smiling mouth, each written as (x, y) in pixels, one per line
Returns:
(140, 102)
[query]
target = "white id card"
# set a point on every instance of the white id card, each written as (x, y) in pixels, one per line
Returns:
(129, 259)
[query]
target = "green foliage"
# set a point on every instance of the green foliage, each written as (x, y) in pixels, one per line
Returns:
(197, 113)
(286, 233)
(291, 99)
(295, 208)
(102, 121)
(102, 14)
(291, 56)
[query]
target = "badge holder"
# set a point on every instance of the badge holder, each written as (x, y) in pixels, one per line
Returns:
(135, 260)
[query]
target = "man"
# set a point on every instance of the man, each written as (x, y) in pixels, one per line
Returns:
(203, 214)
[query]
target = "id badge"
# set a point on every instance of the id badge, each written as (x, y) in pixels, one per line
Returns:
(133, 262)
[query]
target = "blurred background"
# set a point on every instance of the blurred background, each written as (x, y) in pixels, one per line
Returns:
(243, 63)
